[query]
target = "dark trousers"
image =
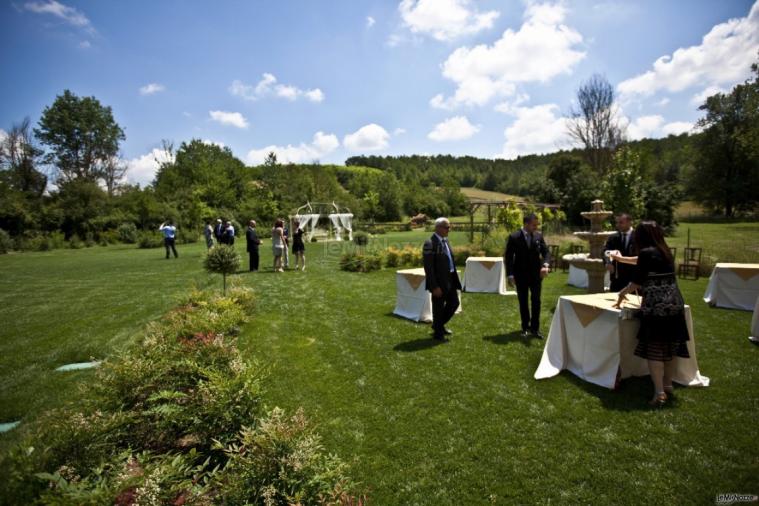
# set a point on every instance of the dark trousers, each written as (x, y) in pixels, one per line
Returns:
(443, 309)
(168, 243)
(253, 260)
(533, 287)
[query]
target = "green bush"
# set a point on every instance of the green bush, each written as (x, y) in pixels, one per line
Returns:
(360, 262)
(177, 419)
(361, 238)
(150, 240)
(6, 243)
(127, 233)
(222, 259)
(75, 242)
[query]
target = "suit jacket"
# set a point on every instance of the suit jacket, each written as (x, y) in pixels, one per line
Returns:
(624, 271)
(437, 269)
(252, 239)
(523, 262)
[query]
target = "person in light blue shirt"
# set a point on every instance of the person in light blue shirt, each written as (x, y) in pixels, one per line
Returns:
(169, 237)
(229, 234)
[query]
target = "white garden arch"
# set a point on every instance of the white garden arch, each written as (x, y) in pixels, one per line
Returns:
(339, 219)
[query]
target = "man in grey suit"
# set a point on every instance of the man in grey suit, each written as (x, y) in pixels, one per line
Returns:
(442, 280)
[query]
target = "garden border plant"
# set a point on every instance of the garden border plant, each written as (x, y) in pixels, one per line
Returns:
(177, 419)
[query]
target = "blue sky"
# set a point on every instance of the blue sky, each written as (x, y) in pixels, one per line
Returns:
(325, 80)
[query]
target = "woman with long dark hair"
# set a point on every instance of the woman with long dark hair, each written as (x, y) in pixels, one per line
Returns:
(663, 333)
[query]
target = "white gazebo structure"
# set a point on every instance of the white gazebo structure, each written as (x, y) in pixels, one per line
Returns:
(309, 214)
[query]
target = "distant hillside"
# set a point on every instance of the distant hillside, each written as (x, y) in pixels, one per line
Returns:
(477, 194)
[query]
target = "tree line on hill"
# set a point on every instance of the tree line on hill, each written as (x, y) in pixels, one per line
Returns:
(76, 145)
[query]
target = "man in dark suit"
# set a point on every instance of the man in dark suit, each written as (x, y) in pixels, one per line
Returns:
(442, 280)
(218, 231)
(621, 274)
(527, 262)
(251, 237)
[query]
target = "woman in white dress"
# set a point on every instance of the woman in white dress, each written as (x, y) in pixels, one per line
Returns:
(278, 244)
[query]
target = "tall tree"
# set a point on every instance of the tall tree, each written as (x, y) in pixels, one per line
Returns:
(19, 156)
(595, 123)
(81, 136)
(114, 169)
(727, 170)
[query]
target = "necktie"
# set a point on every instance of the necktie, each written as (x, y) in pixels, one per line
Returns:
(448, 254)
(627, 240)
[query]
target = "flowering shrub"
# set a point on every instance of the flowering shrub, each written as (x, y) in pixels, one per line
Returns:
(177, 419)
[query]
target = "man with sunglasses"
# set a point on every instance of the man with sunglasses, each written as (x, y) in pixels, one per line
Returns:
(442, 280)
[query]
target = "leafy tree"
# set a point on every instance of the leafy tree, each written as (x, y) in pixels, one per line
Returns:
(81, 136)
(727, 171)
(222, 259)
(623, 189)
(371, 201)
(19, 158)
(595, 123)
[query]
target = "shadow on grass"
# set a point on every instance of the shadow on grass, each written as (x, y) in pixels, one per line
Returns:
(511, 337)
(418, 344)
(632, 394)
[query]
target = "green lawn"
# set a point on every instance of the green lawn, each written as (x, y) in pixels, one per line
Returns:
(458, 423)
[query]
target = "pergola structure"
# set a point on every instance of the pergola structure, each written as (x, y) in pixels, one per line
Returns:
(476, 203)
(340, 218)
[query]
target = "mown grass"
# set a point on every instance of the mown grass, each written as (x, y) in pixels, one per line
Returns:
(458, 423)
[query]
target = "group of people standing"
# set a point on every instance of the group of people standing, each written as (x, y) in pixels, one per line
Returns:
(223, 233)
(638, 259)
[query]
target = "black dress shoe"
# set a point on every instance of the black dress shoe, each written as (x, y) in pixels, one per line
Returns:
(439, 337)
(525, 333)
(536, 333)
(447, 332)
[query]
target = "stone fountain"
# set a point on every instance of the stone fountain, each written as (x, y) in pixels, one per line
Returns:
(594, 262)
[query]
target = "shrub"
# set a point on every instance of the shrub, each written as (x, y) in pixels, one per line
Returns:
(6, 243)
(313, 239)
(75, 242)
(89, 239)
(360, 262)
(150, 240)
(406, 256)
(222, 259)
(127, 233)
(361, 238)
(392, 257)
(177, 419)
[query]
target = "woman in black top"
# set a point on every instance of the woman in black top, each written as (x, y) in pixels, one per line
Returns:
(299, 249)
(663, 332)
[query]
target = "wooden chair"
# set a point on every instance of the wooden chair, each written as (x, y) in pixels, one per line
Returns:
(553, 249)
(690, 268)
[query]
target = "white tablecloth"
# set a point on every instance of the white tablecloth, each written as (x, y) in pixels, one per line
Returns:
(755, 323)
(733, 286)
(579, 277)
(412, 300)
(590, 339)
(485, 274)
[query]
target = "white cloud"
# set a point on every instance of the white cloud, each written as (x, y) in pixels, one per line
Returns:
(456, 128)
(371, 137)
(3, 135)
(214, 143)
(645, 127)
(370, 21)
(321, 145)
(229, 118)
(151, 88)
(63, 12)
(700, 98)
(399, 131)
(268, 86)
(535, 130)
(542, 48)
(724, 57)
(444, 19)
(654, 127)
(85, 44)
(142, 170)
(677, 128)
(664, 101)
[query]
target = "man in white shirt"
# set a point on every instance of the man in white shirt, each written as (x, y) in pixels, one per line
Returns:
(169, 238)
(441, 278)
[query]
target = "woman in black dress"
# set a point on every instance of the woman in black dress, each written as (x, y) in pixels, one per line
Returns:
(299, 249)
(663, 333)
